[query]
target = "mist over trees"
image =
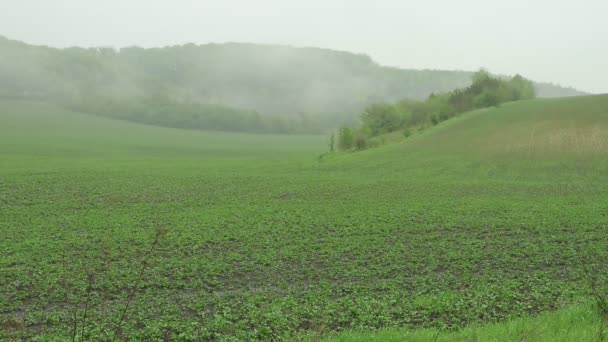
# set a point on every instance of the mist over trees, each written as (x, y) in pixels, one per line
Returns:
(230, 87)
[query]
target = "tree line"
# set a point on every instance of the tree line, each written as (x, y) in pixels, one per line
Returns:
(161, 110)
(235, 87)
(485, 90)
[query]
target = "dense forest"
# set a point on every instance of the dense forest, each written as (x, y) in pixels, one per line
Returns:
(230, 87)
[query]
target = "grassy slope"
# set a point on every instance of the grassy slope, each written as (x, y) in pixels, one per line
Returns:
(59, 126)
(534, 142)
(482, 218)
(531, 128)
(576, 323)
(517, 141)
(35, 135)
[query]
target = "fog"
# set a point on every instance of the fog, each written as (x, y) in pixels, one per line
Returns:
(559, 41)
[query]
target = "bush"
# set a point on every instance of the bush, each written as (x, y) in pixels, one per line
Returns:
(485, 91)
(382, 118)
(407, 133)
(486, 99)
(434, 120)
(361, 142)
(345, 138)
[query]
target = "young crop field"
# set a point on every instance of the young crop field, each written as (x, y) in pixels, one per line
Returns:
(111, 230)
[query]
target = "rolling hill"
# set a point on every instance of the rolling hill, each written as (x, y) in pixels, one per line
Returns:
(194, 235)
(307, 88)
(539, 128)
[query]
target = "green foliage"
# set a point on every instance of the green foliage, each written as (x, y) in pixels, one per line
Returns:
(332, 142)
(361, 141)
(162, 111)
(487, 99)
(485, 91)
(381, 118)
(346, 138)
(434, 119)
(573, 324)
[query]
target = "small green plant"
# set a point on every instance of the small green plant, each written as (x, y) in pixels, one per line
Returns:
(434, 120)
(361, 142)
(599, 291)
(346, 138)
(159, 234)
(407, 133)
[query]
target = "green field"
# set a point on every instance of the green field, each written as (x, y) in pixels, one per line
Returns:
(493, 215)
(576, 323)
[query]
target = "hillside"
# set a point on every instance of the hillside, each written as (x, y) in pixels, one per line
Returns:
(573, 324)
(495, 214)
(269, 88)
(537, 128)
(509, 167)
(39, 133)
(577, 126)
(526, 138)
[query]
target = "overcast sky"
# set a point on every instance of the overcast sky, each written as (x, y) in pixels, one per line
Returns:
(562, 41)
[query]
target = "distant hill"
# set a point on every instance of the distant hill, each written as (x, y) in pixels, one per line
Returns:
(312, 87)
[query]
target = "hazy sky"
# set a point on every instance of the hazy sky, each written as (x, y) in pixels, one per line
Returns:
(562, 41)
